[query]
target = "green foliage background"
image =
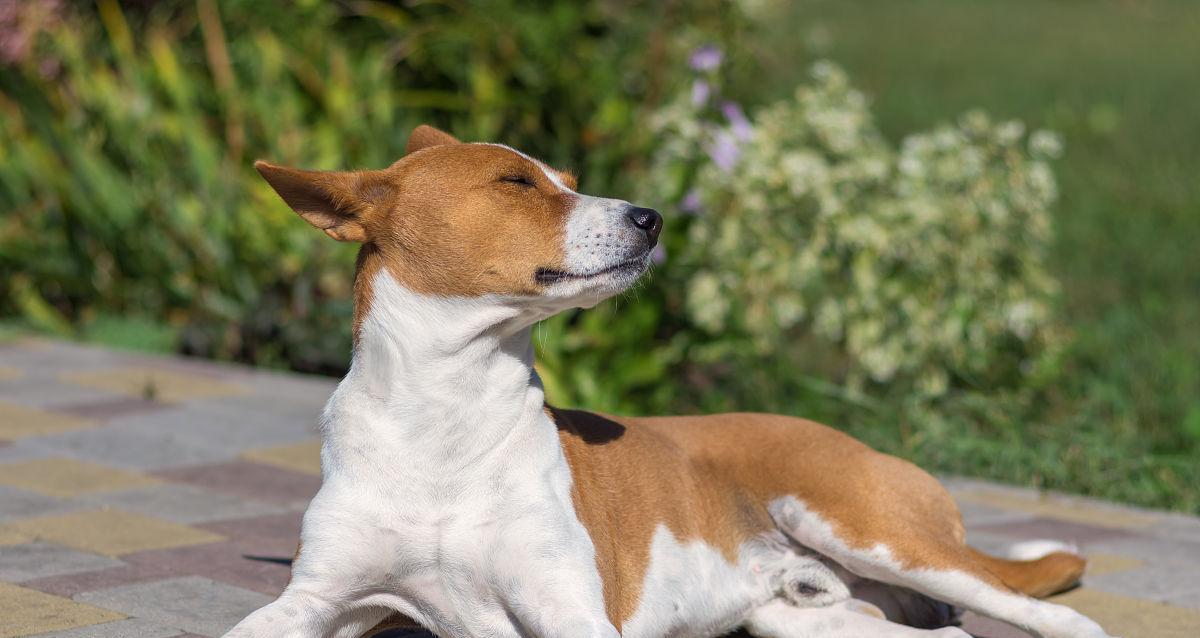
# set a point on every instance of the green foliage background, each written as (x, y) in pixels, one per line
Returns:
(129, 212)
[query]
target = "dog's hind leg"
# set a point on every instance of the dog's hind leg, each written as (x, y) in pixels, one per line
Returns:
(846, 619)
(938, 564)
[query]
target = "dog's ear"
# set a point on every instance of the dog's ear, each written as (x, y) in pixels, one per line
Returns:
(337, 203)
(425, 136)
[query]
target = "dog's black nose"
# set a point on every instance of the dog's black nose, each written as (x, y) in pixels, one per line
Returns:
(648, 220)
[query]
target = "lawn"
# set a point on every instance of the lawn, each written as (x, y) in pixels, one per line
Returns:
(1119, 81)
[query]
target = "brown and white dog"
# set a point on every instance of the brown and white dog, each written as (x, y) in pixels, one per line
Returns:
(455, 498)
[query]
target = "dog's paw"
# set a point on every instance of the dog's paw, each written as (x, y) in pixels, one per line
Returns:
(813, 584)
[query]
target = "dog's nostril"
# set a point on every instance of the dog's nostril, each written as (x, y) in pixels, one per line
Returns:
(648, 220)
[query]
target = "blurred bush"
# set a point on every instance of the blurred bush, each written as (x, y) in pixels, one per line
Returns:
(127, 138)
(921, 269)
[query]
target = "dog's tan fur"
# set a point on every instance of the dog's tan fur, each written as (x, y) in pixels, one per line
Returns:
(709, 478)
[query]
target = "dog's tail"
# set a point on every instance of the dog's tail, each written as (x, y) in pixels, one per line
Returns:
(1037, 568)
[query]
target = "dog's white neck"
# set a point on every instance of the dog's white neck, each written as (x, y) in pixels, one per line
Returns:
(450, 377)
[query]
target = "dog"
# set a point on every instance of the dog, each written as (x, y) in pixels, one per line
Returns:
(455, 499)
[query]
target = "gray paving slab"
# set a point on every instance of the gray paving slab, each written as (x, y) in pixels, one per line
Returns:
(24, 450)
(1176, 527)
(1153, 551)
(261, 424)
(16, 503)
(144, 443)
(42, 390)
(39, 560)
(190, 603)
(186, 504)
(128, 628)
(1164, 583)
(976, 514)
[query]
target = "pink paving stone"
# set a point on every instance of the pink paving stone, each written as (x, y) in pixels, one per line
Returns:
(68, 585)
(222, 562)
(981, 627)
(110, 408)
(1054, 529)
(225, 562)
(274, 535)
(252, 480)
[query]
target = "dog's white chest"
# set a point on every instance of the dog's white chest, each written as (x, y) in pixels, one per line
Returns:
(458, 541)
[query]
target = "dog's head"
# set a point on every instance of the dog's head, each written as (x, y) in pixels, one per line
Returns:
(458, 219)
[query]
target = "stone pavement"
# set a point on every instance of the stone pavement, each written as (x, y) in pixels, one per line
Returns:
(152, 497)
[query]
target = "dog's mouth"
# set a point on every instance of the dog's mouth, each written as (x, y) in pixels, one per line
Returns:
(546, 276)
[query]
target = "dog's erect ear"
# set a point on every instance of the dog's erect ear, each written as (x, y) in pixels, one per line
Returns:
(425, 136)
(337, 203)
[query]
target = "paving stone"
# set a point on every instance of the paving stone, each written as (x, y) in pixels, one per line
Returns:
(978, 514)
(1165, 584)
(16, 503)
(1156, 552)
(153, 383)
(1177, 527)
(303, 457)
(40, 389)
(1130, 617)
(8, 373)
(251, 480)
(144, 443)
(18, 421)
(111, 532)
(227, 562)
(128, 628)
(108, 408)
(1103, 564)
(185, 504)
(186, 435)
(25, 611)
(1039, 528)
(70, 585)
(984, 627)
(1076, 510)
(38, 353)
(272, 536)
(24, 450)
(69, 477)
(38, 560)
(262, 424)
(190, 603)
(12, 537)
(257, 566)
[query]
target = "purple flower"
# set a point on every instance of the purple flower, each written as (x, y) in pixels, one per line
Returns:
(701, 91)
(691, 202)
(738, 123)
(706, 58)
(659, 254)
(724, 150)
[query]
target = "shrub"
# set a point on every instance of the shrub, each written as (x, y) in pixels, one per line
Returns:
(804, 231)
(126, 142)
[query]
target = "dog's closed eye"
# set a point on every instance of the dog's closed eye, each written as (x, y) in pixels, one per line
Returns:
(519, 180)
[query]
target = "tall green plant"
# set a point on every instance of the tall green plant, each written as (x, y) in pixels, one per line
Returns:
(127, 139)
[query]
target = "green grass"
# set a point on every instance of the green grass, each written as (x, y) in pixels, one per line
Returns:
(1119, 81)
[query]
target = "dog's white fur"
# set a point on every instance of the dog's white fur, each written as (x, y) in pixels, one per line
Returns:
(446, 496)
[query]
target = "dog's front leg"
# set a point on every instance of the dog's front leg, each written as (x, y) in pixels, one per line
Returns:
(299, 614)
